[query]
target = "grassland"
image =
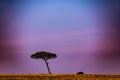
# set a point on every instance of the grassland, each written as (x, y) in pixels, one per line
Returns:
(59, 77)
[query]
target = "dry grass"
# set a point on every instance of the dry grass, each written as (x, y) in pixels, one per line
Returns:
(59, 77)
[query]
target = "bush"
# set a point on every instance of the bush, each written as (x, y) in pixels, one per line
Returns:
(80, 73)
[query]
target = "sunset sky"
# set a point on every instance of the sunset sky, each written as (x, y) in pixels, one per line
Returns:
(85, 35)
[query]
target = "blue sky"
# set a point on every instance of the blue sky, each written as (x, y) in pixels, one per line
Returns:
(83, 33)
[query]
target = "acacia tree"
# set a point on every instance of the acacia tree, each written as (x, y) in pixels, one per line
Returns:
(44, 56)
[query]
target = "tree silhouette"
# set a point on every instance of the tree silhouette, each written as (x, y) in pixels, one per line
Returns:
(44, 56)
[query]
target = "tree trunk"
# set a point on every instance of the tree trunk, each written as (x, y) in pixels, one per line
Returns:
(47, 66)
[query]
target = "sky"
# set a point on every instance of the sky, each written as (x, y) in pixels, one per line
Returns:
(85, 35)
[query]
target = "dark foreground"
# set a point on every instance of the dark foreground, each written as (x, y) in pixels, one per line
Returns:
(59, 77)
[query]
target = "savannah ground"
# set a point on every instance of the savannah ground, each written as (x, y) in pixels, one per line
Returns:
(59, 77)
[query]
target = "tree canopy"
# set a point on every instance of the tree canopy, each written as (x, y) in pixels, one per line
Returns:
(43, 55)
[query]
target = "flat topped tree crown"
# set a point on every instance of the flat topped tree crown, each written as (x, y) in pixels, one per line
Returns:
(43, 55)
